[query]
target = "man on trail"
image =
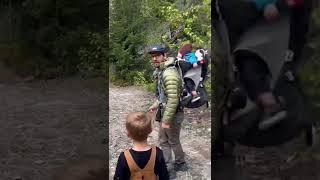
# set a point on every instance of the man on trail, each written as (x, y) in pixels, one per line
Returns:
(167, 105)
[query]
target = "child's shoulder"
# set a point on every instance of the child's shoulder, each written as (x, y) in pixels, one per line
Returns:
(130, 149)
(159, 150)
(121, 155)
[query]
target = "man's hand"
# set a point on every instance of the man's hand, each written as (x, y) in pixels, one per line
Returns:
(165, 126)
(271, 12)
(154, 107)
(195, 65)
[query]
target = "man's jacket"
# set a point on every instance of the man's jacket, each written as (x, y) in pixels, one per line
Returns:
(169, 89)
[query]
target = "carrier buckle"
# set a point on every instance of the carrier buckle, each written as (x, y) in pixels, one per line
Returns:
(289, 56)
(290, 76)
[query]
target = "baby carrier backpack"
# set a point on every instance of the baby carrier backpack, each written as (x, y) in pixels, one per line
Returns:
(195, 74)
(147, 173)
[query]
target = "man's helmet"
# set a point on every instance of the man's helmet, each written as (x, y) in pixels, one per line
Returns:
(157, 48)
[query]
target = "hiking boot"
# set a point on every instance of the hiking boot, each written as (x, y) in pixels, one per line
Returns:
(181, 167)
(201, 84)
(195, 98)
(273, 117)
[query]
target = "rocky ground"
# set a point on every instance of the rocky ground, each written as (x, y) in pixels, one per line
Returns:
(293, 160)
(290, 161)
(45, 124)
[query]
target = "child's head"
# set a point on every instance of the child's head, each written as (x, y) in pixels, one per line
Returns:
(139, 125)
(185, 49)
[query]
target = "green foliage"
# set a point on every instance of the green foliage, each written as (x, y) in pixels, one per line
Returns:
(137, 24)
(309, 72)
(127, 43)
(55, 31)
(93, 55)
(191, 23)
(139, 78)
(19, 56)
(151, 87)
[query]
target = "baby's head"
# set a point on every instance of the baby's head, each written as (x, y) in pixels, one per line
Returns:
(185, 49)
(139, 125)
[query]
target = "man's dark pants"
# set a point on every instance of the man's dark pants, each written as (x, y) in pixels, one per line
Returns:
(169, 140)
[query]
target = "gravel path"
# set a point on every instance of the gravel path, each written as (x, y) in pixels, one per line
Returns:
(44, 124)
(195, 134)
(290, 161)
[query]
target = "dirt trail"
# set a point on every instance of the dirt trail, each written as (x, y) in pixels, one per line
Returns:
(195, 134)
(46, 123)
(290, 161)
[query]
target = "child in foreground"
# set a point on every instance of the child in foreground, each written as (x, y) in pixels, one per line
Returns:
(142, 161)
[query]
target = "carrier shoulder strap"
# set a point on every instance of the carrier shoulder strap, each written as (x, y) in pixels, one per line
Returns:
(131, 163)
(152, 161)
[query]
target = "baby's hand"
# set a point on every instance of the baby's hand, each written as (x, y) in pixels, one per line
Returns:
(195, 65)
(271, 12)
(165, 126)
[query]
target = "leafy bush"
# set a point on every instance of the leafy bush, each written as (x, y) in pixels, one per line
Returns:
(50, 33)
(93, 55)
(151, 22)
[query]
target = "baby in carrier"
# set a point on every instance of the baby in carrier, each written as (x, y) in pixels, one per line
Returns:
(188, 60)
(239, 16)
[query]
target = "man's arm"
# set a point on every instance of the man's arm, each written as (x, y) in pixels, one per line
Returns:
(172, 86)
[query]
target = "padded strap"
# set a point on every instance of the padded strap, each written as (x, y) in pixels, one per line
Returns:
(134, 167)
(152, 161)
(131, 163)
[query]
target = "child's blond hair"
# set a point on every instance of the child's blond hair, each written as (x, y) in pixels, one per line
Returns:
(139, 125)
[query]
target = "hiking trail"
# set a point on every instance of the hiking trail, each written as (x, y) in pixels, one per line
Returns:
(46, 123)
(195, 134)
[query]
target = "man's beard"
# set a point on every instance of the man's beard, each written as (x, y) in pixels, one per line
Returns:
(156, 65)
